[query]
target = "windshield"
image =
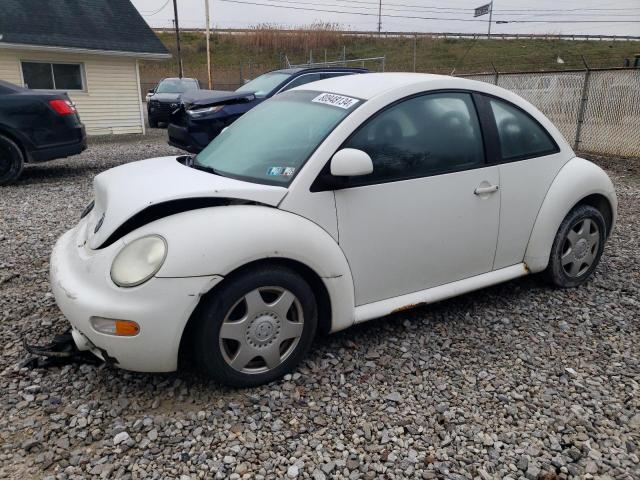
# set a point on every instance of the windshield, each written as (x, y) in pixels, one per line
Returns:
(271, 143)
(264, 84)
(175, 85)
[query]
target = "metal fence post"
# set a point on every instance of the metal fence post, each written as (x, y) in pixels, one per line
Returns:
(384, 60)
(415, 46)
(583, 103)
(496, 74)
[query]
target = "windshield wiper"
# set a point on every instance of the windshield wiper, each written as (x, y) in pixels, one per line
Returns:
(204, 168)
(191, 162)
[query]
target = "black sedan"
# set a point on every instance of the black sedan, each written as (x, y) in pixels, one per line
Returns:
(36, 125)
(202, 115)
(165, 98)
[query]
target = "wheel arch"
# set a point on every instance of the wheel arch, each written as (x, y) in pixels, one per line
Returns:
(603, 205)
(311, 277)
(579, 182)
(223, 240)
(15, 139)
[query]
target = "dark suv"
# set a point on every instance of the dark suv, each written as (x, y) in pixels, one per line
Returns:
(36, 125)
(203, 114)
(165, 98)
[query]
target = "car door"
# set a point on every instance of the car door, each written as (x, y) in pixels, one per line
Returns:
(429, 213)
(529, 160)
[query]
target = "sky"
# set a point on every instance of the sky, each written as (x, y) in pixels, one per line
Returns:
(614, 17)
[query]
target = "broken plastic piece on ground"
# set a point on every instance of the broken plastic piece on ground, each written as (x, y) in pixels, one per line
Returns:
(61, 351)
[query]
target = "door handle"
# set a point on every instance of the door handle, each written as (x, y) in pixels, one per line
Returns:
(485, 190)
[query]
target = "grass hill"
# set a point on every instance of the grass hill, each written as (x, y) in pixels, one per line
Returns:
(244, 55)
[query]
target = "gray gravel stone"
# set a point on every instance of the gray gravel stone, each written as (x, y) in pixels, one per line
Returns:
(516, 381)
(122, 437)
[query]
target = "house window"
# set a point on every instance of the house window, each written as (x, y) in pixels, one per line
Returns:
(52, 76)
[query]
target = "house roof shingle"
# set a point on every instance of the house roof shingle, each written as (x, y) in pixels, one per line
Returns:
(112, 25)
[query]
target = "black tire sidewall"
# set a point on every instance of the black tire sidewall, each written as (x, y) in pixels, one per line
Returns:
(555, 271)
(16, 158)
(212, 310)
(153, 123)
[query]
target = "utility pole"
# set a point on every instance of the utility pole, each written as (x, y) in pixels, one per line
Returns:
(206, 7)
(490, 17)
(175, 22)
(379, 16)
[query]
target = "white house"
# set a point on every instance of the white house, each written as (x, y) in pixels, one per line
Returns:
(89, 49)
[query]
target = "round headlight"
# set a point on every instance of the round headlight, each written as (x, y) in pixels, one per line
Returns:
(138, 261)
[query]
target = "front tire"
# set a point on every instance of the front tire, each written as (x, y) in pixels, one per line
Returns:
(153, 123)
(11, 161)
(256, 328)
(577, 248)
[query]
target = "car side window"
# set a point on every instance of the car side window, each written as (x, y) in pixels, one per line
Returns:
(520, 135)
(427, 135)
(301, 80)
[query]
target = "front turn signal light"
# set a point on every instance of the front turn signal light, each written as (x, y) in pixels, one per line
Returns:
(110, 326)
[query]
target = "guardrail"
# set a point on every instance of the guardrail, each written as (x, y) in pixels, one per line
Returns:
(480, 36)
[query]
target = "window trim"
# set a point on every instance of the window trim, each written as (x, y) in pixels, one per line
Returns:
(282, 89)
(322, 182)
(484, 103)
(80, 65)
(291, 80)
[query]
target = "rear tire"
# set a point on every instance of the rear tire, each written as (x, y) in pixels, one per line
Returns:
(11, 161)
(256, 328)
(577, 248)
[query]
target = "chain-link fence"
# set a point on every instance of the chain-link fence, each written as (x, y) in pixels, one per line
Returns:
(598, 111)
(224, 78)
(374, 64)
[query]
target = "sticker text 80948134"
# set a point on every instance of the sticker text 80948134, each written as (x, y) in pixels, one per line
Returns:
(335, 100)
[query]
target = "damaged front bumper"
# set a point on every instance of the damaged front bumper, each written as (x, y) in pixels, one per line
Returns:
(82, 286)
(63, 349)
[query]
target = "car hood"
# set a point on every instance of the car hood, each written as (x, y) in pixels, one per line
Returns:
(124, 191)
(205, 98)
(166, 97)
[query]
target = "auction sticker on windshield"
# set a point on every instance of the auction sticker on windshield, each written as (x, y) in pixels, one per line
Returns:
(336, 100)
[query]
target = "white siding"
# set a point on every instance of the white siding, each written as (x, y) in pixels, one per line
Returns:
(110, 103)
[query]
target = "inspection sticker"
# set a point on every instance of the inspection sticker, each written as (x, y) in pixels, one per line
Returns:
(281, 171)
(336, 100)
(275, 171)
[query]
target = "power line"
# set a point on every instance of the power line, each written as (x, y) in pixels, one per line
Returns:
(377, 7)
(157, 11)
(298, 7)
(461, 9)
(342, 11)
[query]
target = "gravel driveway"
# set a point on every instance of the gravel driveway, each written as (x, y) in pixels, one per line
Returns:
(516, 381)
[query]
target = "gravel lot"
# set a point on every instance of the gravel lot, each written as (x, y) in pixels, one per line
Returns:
(517, 381)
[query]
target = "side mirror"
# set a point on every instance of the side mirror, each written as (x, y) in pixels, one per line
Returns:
(350, 162)
(152, 90)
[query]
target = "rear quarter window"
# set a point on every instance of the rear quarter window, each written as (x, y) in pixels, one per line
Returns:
(520, 135)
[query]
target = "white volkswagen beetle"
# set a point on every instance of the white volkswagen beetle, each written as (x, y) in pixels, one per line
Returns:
(328, 205)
